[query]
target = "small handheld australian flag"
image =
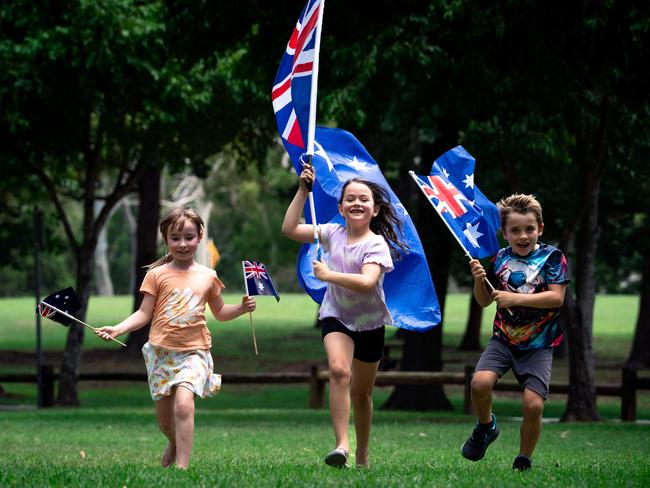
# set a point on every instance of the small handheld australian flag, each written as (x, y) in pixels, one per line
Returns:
(65, 300)
(257, 280)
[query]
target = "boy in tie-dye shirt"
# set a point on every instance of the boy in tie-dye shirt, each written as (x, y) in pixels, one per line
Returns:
(527, 280)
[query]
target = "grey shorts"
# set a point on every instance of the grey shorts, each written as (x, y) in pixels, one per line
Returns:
(531, 368)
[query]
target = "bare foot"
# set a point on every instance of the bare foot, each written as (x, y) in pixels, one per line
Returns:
(361, 459)
(169, 455)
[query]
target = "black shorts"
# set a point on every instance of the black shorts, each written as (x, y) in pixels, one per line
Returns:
(368, 344)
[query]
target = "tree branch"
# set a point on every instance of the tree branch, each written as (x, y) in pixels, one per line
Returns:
(49, 185)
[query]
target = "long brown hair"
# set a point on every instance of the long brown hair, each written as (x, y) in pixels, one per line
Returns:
(175, 219)
(386, 221)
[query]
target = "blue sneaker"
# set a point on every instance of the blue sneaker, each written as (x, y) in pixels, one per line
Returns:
(482, 436)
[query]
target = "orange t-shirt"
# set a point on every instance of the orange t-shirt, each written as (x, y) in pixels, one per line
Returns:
(179, 322)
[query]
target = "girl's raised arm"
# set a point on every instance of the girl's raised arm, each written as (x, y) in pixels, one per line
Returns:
(291, 226)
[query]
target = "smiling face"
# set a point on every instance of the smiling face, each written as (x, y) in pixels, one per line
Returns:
(183, 240)
(357, 205)
(522, 232)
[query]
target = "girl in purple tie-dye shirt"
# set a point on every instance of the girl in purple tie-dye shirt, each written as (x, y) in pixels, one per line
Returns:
(353, 313)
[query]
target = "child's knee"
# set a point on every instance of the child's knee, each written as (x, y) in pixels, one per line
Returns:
(184, 409)
(360, 396)
(533, 405)
(340, 373)
(481, 385)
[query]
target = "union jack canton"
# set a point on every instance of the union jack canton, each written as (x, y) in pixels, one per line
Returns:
(257, 280)
(292, 85)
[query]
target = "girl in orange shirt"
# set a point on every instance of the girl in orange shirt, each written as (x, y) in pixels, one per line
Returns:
(177, 356)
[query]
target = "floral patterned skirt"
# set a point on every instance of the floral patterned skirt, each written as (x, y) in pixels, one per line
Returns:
(193, 369)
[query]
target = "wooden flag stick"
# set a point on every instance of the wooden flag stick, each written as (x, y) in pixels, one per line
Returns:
(250, 314)
(76, 320)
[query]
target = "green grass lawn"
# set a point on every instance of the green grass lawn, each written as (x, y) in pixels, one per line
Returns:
(276, 446)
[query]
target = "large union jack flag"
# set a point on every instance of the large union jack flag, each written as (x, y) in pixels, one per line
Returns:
(292, 86)
(257, 280)
(468, 213)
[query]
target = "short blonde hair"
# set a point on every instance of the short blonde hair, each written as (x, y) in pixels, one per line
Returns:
(521, 204)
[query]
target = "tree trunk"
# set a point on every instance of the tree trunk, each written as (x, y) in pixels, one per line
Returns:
(472, 338)
(103, 281)
(146, 252)
(581, 402)
(71, 363)
(640, 353)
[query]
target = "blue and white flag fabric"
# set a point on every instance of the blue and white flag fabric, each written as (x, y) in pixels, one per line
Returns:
(293, 82)
(258, 280)
(339, 156)
(469, 215)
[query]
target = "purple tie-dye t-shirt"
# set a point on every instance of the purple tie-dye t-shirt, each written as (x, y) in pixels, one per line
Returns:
(357, 311)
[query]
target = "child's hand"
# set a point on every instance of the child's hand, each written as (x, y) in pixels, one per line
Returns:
(308, 176)
(321, 270)
(505, 299)
(106, 333)
(248, 303)
(478, 272)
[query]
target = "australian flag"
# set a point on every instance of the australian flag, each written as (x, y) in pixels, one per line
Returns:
(468, 213)
(257, 279)
(410, 296)
(65, 301)
(292, 86)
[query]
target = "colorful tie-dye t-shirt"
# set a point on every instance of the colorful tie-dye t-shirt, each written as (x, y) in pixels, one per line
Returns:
(179, 322)
(528, 328)
(356, 311)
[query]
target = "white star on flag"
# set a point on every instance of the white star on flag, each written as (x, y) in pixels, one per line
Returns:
(469, 181)
(321, 152)
(260, 286)
(359, 165)
(445, 172)
(472, 233)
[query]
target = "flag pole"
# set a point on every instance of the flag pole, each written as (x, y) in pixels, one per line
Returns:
(313, 95)
(250, 314)
(467, 254)
(311, 129)
(76, 319)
